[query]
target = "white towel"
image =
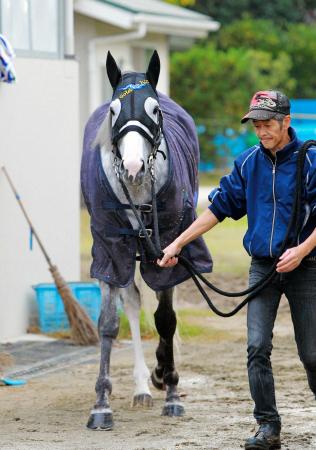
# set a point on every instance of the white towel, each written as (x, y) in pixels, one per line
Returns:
(7, 72)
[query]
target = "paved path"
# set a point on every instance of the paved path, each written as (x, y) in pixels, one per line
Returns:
(35, 358)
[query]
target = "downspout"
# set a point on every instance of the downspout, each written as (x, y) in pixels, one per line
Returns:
(107, 40)
(69, 51)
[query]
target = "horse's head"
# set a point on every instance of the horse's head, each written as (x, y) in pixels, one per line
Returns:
(135, 117)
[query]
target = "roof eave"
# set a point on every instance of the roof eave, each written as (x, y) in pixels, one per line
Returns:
(177, 26)
(183, 32)
(105, 13)
(172, 26)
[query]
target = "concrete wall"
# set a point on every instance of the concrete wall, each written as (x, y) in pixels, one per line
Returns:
(40, 148)
(126, 53)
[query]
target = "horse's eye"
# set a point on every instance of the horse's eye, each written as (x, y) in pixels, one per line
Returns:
(112, 111)
(155, 110)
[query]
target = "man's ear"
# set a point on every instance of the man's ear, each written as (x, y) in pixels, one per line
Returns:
(113, 71)
(153, 70)
(287, 121)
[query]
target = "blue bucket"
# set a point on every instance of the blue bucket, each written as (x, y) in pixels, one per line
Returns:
(51, 312)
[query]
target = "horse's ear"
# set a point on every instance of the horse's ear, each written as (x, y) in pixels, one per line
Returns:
(153, 70)
(113, 71)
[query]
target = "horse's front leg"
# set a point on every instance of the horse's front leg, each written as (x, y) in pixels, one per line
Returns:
(165, 376)
(131, 300)
(101, 415)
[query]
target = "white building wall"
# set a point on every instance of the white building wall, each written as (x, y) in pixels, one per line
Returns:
(40, 148)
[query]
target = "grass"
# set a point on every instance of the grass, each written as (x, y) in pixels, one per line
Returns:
(225, 244)
(192, 324)
(225, 240)
(211, 178)
(85, 234)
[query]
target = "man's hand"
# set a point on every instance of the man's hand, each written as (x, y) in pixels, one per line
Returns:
(169, 259)
(203, 223)
(290, 259)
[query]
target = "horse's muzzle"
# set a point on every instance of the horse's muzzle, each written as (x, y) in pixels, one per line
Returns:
(133, 173)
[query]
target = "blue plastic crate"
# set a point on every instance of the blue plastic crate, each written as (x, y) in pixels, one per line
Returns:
(52, 316)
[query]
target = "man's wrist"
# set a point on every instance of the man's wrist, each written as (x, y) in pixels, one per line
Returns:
(305, 248)
(179, 243)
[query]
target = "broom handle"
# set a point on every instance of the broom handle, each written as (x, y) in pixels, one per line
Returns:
(27, 218)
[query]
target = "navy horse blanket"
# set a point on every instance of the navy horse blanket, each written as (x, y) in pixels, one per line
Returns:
(115, 243)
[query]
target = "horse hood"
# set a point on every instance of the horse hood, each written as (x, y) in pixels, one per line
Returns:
(115, 243)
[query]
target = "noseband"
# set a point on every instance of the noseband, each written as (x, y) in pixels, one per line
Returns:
(155, 142)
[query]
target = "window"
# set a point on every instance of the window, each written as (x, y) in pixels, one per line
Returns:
(33, 27)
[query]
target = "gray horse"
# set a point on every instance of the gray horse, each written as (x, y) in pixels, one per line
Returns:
(141, 140)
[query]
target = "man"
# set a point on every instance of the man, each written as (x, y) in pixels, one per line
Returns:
(262, 185)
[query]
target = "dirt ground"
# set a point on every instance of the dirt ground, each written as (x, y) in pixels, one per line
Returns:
(50, 412)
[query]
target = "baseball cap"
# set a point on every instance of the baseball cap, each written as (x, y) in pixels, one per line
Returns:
(265, 105)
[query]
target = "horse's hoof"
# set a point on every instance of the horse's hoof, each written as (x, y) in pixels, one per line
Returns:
(143, 400)
(173, 410)
(157, 382)
(101, 421)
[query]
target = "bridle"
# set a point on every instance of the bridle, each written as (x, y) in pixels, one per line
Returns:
(153, 247)
(155, 142)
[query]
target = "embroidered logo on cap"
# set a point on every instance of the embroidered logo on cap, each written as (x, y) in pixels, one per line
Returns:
(263, 100)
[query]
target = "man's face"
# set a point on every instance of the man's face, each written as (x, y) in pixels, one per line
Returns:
(272, 133)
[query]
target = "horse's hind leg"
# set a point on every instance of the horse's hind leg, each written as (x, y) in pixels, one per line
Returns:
(131, 300)
(165, 375)
(101, 417)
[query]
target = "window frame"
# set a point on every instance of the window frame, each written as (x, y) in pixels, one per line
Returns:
(59, 54)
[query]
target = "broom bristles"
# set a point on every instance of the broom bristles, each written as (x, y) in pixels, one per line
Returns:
(6, 360)
(83, 331)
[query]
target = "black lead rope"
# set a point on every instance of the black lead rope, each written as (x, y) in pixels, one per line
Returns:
(156, 252)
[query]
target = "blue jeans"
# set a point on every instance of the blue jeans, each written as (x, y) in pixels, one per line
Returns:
(299, 286)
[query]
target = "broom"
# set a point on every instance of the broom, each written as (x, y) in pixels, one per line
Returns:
(83, 331)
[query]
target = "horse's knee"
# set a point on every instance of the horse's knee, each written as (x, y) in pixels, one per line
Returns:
(165, 317)
(109, 324)
(166, 323)
(108, 328)
(109, 320)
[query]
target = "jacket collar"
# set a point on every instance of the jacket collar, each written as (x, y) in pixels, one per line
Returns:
(287, 150)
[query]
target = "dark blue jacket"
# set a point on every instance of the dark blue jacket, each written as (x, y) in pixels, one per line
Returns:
(264, 190)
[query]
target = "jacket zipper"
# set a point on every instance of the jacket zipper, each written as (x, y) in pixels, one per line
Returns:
(274, 204)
